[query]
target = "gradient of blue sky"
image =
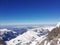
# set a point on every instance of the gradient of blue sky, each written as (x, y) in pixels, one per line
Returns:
(29, 11)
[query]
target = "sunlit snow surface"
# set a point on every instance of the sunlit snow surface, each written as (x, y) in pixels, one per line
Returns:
(26, 35)
(33, 36)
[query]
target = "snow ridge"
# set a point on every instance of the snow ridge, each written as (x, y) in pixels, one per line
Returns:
(58, 24)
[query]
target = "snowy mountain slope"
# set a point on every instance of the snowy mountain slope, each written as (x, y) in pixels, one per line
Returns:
(53, 37)
(26, 37)
(37, 41)
(29, 37)
(2, 31)
(7, 34)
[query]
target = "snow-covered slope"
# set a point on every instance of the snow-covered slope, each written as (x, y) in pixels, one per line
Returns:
(2, 31)
(31, 37)
(21, 39)
(6, 34)
(37, 36)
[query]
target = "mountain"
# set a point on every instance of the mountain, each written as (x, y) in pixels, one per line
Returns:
(58, 24)
(30, 37)
(7, 34)
(53, 37)
(34, 35)
(18, 30)
(2, 42)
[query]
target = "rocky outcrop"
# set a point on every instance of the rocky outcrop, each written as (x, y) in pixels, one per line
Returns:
(54, 33)
(2, 42)
(53, 37)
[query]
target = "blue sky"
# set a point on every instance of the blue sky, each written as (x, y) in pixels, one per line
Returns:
(29, 11)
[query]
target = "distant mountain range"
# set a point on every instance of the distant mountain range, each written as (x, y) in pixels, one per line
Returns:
(7, 34)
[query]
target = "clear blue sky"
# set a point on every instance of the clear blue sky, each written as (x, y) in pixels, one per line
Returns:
(29, 11)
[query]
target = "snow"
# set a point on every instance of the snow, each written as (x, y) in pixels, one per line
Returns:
(45, 42)
(34, 43)
(44, 28)
(38, 40)
(5, 30)
(58, 42)
(58, 24)
(48, 43)
(2, 30)
(30, 37)
(26, 37)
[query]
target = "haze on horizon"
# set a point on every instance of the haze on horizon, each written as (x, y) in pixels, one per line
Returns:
(29, 11)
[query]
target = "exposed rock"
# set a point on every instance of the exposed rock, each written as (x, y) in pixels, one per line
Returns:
(53, 37)
(2, 42)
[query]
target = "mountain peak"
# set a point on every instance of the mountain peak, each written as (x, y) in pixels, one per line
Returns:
(58, 24)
